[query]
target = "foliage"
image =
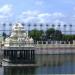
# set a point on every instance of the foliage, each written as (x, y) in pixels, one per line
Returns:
(53, 34)
(68, 37)
(36, 34)
(4, 35)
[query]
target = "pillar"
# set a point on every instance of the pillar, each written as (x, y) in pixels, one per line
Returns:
(30, 55)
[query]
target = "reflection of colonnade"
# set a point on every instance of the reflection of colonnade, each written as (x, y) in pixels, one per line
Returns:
(19, 70)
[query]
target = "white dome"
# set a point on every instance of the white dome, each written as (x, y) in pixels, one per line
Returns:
(17, 26)
(19, 35)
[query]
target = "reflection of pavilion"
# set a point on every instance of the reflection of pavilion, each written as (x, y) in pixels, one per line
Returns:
(18, 48)
(19, 70)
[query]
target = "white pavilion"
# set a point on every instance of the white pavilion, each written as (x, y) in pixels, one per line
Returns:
(18, 47)
(19, 37)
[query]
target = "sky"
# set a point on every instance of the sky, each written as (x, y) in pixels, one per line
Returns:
(38, 11)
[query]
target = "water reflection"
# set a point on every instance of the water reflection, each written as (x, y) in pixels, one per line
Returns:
(19, 70)
(54, 60)
(47, 64)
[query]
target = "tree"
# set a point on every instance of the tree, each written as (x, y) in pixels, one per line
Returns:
(49, 33)
(68, 37)
(4, 35)
(58, 35)
(53, 34)
(36, 34)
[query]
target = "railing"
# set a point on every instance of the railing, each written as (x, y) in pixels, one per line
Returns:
(55, 42)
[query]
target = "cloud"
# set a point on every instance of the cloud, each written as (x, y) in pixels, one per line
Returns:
(54, 14)
(40, 17)
(58, 14)
(7, 8)
(44, 15)
(29, 13)
(28, 16)
(6, 11)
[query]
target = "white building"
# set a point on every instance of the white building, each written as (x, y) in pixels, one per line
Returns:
(18, 48)
(19, 37)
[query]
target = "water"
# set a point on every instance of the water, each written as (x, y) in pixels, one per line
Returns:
(48, 64)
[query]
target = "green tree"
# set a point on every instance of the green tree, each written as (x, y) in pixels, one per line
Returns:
(68, 37)
(4, 35)
(36, 34)
(58, 35)
(53, 34)
(49, 33)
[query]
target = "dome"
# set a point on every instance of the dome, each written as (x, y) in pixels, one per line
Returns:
(18, 36)
(17, 26)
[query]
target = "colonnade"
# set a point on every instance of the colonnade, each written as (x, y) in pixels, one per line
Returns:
(20, 56)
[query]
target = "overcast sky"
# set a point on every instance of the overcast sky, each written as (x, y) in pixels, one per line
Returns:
(38, 11)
